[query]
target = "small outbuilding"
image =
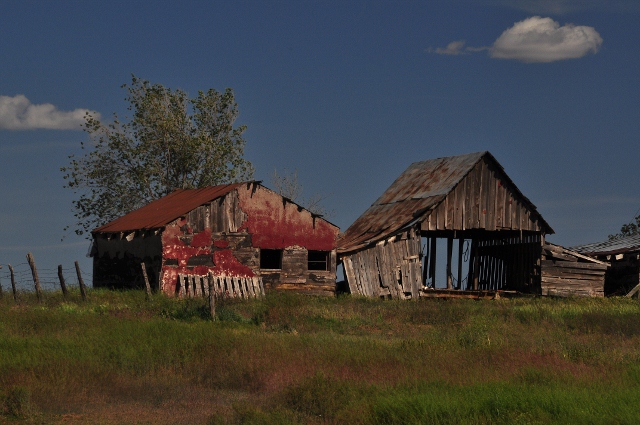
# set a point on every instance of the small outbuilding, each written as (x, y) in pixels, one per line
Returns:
(566, 272)
(390, 250)
(248, 236)
(623, 254)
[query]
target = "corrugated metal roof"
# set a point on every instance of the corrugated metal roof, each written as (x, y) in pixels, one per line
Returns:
(610, 247)
(419, 189)
(163, 211)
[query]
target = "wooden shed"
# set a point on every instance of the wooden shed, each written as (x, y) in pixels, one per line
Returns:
(390, 250)
(566, 272)
(243, 233)
(623, 254)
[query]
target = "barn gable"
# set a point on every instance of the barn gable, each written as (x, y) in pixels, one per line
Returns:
(467, 192)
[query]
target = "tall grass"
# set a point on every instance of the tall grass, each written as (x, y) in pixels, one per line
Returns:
(295, 359)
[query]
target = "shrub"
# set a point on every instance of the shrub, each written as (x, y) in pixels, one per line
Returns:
(17, 402)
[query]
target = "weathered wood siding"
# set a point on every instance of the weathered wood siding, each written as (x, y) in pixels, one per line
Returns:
(391, 268)
(565, 273)
(483, 200)
(295, 275)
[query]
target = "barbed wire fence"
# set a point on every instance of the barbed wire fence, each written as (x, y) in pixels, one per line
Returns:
(49, 279)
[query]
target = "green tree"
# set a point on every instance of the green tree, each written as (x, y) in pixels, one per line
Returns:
(628, 229)
(169, 142)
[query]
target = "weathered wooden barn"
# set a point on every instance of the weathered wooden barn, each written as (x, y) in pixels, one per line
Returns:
(241, 233)
(624, 256)
(390, 250)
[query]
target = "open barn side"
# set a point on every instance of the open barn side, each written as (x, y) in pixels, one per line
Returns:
(460, 201)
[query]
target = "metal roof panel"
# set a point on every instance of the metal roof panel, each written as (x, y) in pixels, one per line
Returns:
(418, 190)
(163, 211)
(613, 246)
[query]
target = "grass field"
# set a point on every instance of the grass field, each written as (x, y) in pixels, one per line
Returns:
(305, 360)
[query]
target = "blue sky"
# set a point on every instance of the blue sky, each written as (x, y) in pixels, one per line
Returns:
(347, 93)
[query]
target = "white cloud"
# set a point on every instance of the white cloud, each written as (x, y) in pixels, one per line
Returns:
(18, 113)
(539, 39)
(453, 48)
(535, 39)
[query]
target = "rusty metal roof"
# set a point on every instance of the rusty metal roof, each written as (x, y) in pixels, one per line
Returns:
(614, 246)
(419, 189)
(163, 211)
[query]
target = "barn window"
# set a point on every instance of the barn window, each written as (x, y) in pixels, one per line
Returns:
(318, 260)
(271, 259)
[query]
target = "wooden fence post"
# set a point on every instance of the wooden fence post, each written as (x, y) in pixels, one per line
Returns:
(83, 289)
(63, 285)
(13, 284)
(212, 297)
(1, 292)
(34, 273)
(146, 280)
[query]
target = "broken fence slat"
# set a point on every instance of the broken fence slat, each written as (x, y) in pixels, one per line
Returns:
(189, 286)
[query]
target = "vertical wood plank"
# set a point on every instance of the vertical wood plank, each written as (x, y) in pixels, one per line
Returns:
(432, 263)
(460, 202)
(146, 280)
(449, 254)
(483, 186)
(469, 199)
(450, 208)
(212, 296)
(476, 266)
(348, 271)
(491, 199)
(460, 248)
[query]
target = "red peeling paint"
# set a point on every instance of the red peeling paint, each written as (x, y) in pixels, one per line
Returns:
(277, 225)
(220, 244)
(227, 264)
(175, 248)
(202, 239)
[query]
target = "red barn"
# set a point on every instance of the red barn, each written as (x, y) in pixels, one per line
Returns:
(240, 230)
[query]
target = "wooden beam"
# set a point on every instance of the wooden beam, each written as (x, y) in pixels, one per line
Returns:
(146, 280)
(633, 291)
(460, 248)
(432, 263)
(476, 267)
(449, 253)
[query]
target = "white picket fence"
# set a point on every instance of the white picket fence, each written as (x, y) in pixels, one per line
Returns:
(190, 286)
